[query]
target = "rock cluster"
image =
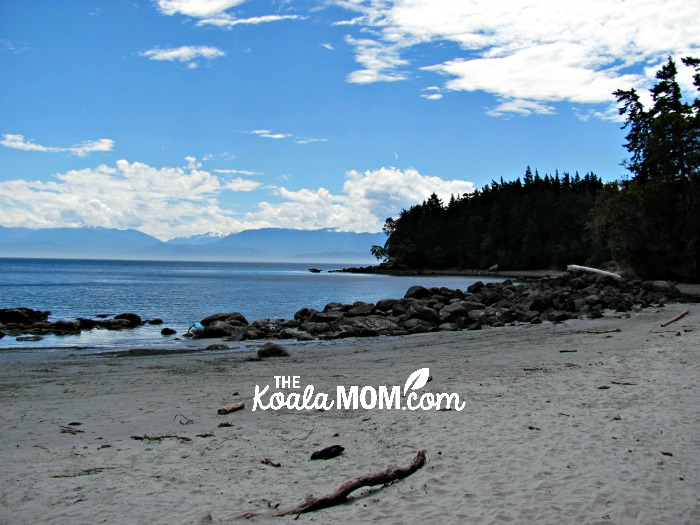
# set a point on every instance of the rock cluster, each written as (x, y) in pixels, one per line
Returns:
(572, 295)
(16, 321)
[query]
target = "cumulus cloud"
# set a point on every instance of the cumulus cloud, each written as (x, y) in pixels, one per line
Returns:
(169, 202)
(164, 202)
(81, 150)
(531, 53)
(365, 202)
(185, 54)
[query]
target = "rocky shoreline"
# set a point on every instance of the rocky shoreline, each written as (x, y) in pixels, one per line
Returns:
(569, 295)
(27, 324)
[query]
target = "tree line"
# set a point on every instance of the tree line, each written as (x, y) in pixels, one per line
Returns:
(649, 222)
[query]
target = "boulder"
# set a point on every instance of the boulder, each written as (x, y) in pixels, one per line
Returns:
(66, 327)
(217, 329)
(29, 338)
(156, 321)
(664, 287)
(367, 326)
(386, 304)
(168, 331)
(359, 308)
(423, 313)
(272, 350)
(14, 316)
(417, 292)
(231, 318)
(474, 288)
(134, 319)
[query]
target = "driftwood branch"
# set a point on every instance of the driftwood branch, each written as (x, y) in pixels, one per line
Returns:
(231, 408)
(574, 267)
(679, 316)
(341, 493)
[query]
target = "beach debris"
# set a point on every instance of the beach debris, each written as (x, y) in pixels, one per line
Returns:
(206, 435)
(617, 418)
(610, 331)
(667, 453)
(70, 430)
(184, 420)
(567, 351)
(604, 387)
(679, 316)
(624, 383)
(532, 427)
(576, 267)
(328, 452)
(231, 408)
(225, 425)
(75, 423)
(299, 438)
(146, 437)
(268, 461)
(84, 472)
(341, 493)
(273, 350)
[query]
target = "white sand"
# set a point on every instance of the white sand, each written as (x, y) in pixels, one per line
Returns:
(484, 464)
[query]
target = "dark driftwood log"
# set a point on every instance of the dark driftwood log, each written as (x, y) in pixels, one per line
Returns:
(231, 408)
(340, 494)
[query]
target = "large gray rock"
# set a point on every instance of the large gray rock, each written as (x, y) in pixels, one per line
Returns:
(232, 318)
(367, 326)
(423, 313)
(417, 292)
(273, 350)
(134, 319)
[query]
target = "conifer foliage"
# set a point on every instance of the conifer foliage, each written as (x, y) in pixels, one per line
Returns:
(649, 222)
(539, 222)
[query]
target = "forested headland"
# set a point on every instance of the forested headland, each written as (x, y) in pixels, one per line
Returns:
(649, 222)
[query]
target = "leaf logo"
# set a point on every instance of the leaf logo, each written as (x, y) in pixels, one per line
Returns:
(416, 380)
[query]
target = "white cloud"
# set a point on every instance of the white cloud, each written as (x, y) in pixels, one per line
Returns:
(164, 202)
(380, 62)
(237, 172)
(529, 51)
(228, 21)
(196, 8)
(366, 201)
(170, 202)
(329, 47)
(81, 150)
(266, 133)
(185, 54)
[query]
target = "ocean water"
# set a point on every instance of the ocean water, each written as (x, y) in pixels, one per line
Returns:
(181, 292)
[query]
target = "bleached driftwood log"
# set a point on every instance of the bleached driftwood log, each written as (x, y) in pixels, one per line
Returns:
(576, 267)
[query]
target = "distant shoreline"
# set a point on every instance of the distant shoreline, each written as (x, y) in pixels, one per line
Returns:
(507, 274)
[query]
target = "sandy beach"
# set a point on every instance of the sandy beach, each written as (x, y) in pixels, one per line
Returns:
(585, 422)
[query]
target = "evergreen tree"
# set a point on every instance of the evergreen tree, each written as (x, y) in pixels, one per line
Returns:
(652, 220)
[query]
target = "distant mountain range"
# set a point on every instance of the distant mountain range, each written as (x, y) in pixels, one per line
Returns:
(263, 245)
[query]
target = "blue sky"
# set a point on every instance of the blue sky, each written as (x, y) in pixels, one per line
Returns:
(177, 117)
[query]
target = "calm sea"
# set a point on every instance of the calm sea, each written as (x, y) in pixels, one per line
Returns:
(182, 292)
